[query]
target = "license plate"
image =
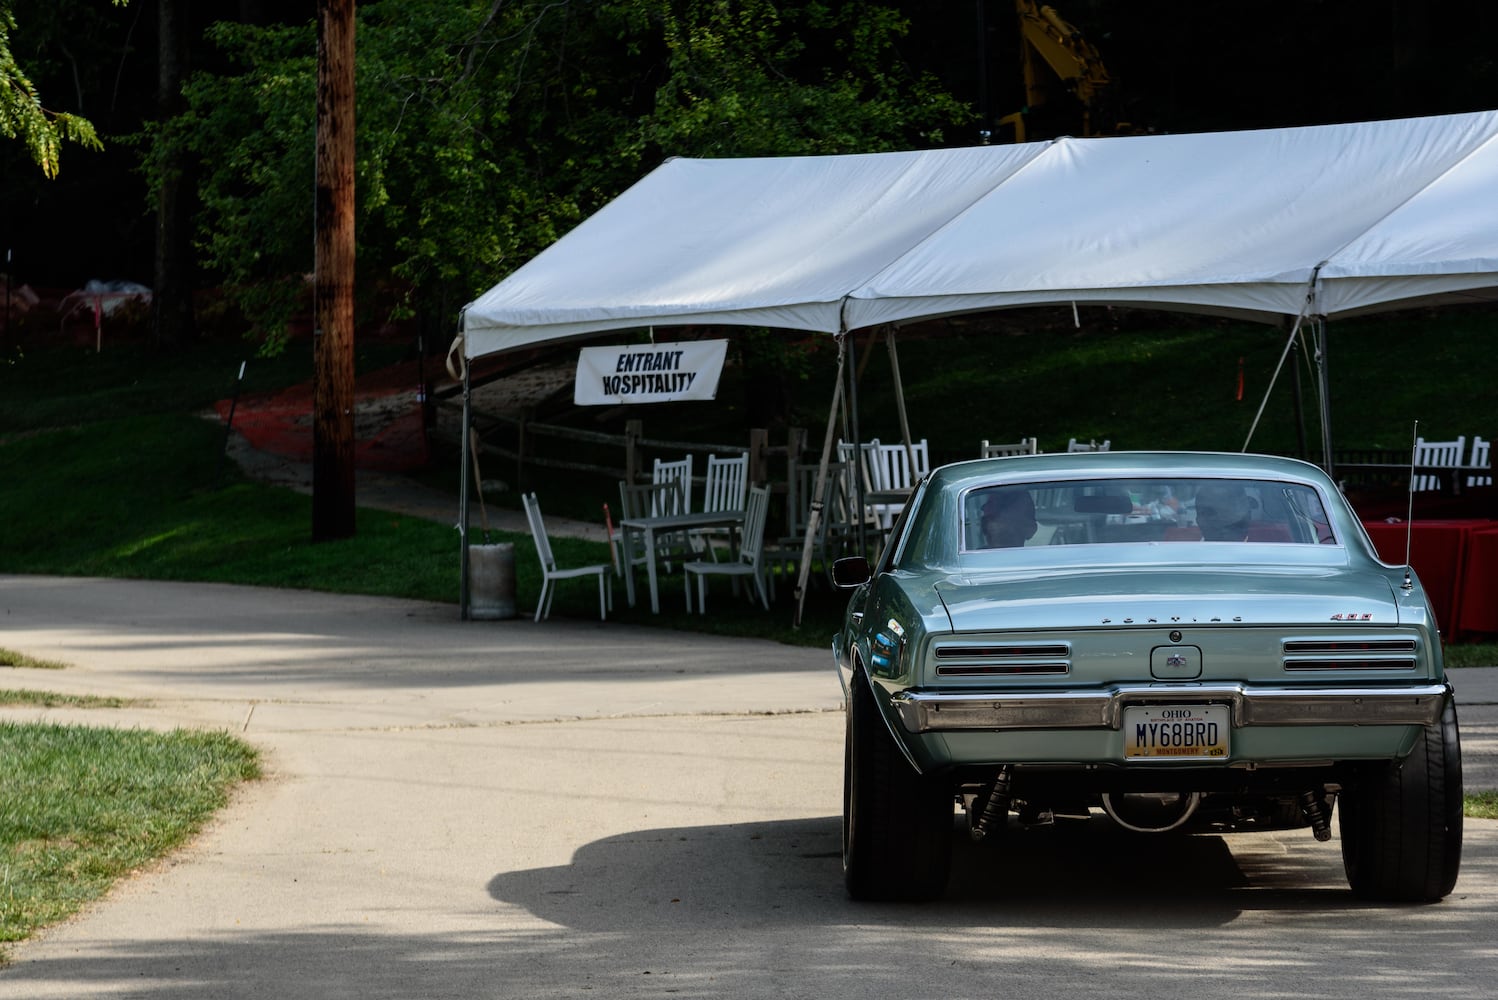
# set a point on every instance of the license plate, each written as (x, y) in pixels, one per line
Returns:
(1176, 732)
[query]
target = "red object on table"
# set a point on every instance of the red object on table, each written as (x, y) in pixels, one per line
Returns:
(1444, 556)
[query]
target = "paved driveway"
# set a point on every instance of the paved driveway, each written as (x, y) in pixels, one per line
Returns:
(505, 809)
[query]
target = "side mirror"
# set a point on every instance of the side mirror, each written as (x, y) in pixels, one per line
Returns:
(850, 572)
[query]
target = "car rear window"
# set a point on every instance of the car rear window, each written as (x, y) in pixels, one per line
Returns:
(1106, 511)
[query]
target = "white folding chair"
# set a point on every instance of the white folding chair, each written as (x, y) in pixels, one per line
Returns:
(895, 467)
(1024, 446)
(1436, 454)
(652, 500)
(723, 489)
(680, 473)
(846, 453)
(551, 572)
(859, 461)
(638, 501)
(675, 472)
(1092, 445)
(835, 525)
(1480, 453)
(921, 452)
(750, 561)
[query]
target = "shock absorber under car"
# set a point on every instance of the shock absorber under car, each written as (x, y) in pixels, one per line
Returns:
(1317, 809)
(995, 808)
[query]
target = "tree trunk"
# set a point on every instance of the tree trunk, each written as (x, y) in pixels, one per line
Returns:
(333, 332)
(171, 299)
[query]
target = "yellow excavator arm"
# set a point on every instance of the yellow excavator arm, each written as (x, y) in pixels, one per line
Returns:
(1046, 37)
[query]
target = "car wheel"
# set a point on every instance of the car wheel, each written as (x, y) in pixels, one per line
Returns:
(1401, 825)
(897, 823)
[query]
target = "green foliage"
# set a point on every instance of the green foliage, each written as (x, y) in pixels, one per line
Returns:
(21, 113)
(253, 136)
(756, 78)
(487, 131)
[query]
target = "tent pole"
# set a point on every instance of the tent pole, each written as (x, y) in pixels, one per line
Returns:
(463, 499)
(894, 365)
(1324, 390)
(815, 515)
(1300, 412)
(863, 541)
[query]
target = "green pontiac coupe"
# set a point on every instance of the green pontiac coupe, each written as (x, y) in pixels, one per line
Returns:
(1181, 641)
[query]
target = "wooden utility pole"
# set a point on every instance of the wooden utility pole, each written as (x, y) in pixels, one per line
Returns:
(333, 266)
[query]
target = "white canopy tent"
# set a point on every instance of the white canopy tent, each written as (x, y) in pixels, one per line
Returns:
(1270, 225)
(1325, 221)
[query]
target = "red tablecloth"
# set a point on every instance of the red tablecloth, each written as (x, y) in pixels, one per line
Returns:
(1478, 611)
(1457, 562)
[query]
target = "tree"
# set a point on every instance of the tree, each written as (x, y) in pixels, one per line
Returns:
(487, 129)
(171, 301)
(759, 78)
(22, 115)
(97, 61)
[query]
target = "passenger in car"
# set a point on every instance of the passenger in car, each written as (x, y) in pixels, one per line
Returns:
(1009, 518)
(1223, 512)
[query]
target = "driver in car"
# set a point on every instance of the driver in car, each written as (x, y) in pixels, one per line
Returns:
(1009, 519)
(1223, 512)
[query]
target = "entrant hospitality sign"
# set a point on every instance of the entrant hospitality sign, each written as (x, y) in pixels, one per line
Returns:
(649, 373)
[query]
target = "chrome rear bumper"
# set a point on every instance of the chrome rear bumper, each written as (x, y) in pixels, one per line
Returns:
(1252, 705)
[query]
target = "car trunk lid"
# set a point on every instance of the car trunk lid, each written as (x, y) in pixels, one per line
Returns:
(1251, 595)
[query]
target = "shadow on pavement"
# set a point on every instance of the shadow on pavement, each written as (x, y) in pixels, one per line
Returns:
(1078, 874)
(758, 910)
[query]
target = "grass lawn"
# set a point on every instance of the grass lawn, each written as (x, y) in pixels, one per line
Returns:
(10, 658)
(82, 806)
(49, 699)
(1482, 805)
(132, 796)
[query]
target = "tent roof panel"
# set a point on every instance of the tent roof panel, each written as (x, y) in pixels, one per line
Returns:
(1237, 222)
(773, 242)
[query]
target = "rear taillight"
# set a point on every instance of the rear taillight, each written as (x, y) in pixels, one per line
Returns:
(963, 660)
(1350, 654)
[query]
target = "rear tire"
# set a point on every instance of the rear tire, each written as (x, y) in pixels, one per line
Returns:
(897, 823)
(1401, 824)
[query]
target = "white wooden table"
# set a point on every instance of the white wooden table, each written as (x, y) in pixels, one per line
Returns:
(650, 527)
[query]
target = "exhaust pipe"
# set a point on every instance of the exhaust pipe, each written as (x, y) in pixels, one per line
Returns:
(1150, 812)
